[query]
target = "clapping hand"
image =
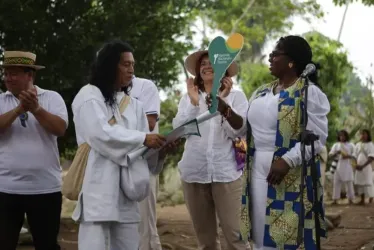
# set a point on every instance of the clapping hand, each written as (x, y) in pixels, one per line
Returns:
(193, 91)
(29, 100)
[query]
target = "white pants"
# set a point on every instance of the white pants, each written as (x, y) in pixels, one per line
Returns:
(259, 199)
(338, 188)
(259, 187)
(366, 190)
(148, 224)
(108, 236)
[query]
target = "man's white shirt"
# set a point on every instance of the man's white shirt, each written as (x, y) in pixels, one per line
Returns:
(146, 92)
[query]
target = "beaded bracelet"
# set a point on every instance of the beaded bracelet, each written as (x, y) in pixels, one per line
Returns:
(226, 114)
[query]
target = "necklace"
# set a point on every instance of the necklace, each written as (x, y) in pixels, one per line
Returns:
(277, 88)
(22, 117)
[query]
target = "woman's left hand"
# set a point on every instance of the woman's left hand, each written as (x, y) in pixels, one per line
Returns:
(279, 169)
(227, 86)
(222, 105)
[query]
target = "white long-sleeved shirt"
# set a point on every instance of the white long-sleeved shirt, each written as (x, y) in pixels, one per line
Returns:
(210, 158)
(101, 198)
(263, 115)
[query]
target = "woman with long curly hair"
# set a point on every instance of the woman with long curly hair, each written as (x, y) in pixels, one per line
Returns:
(107, 213)
(211, 176)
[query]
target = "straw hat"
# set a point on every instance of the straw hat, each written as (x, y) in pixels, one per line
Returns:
(20, 59)
(192, 59)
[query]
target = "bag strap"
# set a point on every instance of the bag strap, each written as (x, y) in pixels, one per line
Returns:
(124, 103)
(122, 107)
(362, 150)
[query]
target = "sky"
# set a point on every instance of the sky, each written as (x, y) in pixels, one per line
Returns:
(357, 35)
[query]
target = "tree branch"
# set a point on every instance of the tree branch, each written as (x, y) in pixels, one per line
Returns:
(236, 23)
(184, 68)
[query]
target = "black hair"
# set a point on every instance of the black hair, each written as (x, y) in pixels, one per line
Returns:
(345, 133)
(300, 52)
(367, 132)
(104, 69)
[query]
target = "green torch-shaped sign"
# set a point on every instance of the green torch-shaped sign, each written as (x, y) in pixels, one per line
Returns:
(221, 54)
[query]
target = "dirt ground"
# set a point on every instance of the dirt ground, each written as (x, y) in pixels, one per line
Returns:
(175, 229)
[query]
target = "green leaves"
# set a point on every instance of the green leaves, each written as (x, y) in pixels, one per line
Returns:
(258, 21)
(334, 75)
(65, 35)
(343, 2)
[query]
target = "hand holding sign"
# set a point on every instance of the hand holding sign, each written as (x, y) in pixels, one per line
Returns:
(221, 56)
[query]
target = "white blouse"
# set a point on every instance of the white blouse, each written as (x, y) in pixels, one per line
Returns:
(263, 115)
(210, 158)
(362, 153)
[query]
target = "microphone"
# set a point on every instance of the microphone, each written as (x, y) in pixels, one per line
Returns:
(309, 69)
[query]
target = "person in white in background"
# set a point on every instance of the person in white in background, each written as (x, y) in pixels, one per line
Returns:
(146, 92)
(31, 120)
(211, 180)
(364, 153)
(323, 156)
(108, 218)
(344, 150)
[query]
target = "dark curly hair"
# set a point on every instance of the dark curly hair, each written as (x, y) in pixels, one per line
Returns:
(366, 131)
(104, 69)
(345, 133)
(300, 52)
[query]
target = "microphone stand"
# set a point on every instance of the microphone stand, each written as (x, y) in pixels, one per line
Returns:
(307, 138)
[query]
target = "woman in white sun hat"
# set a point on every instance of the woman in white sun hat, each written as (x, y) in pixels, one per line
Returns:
(211, 178)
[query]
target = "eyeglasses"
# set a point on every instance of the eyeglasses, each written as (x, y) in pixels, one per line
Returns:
(277, 53)
(23, 118)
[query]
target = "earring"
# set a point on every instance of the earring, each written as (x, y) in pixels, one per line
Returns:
(290, 65)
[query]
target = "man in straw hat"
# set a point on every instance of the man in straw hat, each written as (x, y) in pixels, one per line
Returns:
(31, 119)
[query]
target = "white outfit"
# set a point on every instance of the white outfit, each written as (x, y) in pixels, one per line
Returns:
(146, 92)
(209, 173)
(344, 170)
(210, 158)
(102, 206)
(262, 117)
(29, 156)
(324, 156)
(364, 178)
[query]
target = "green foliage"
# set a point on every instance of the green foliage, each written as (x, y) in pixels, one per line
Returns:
(350, 101)
(362, 112)
(258, 21)
(365, 2)
(65, 35)
(169, 109)
(333, 76)
(254, 75)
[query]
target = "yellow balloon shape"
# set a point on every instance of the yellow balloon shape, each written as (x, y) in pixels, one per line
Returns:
(235, 41)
